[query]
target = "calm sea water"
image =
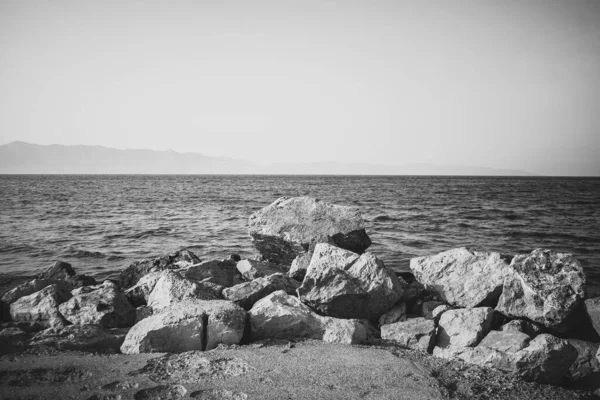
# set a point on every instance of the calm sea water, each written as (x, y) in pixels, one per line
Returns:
(100, 224)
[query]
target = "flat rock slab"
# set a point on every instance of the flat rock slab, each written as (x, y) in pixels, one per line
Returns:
(307, 370)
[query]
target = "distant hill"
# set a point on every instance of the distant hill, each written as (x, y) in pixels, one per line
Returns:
(26, 158)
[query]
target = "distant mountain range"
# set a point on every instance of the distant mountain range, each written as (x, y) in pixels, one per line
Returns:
(27, 158)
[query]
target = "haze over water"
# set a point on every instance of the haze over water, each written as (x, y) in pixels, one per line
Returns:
(101, 224)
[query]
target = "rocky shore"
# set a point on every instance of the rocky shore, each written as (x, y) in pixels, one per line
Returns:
(313, 315)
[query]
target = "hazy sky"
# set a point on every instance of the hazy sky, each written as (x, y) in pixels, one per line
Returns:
(502, 84)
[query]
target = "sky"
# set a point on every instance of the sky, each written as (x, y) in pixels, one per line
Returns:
(509, 84)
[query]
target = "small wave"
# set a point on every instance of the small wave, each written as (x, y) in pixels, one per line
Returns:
(384, 218)
(80, 253)
(150, 232)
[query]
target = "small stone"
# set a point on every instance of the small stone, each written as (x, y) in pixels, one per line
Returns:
(60, 271)
(162, 392)
(415, 333)
(505, 341)
(218, 394)
(464, 327)
(526, 327)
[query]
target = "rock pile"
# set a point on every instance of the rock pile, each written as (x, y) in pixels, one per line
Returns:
(314, 280)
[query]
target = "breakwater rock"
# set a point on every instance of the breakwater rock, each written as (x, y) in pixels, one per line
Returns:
(524, 314)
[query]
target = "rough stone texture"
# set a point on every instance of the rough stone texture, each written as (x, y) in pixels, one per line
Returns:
(505, 341)
(341, 284)
(461, 277)
(189, 325)
(544, 287)
(138, 294)
(415, 333)
(464, 327)
(281, 316)
(592, 308)
(413, 290)
(25, 289)
(546, 360)
(437, 312)
(79, 337)
(396, 314)
(586, 362)
(291, 226)
(247, 293)
(162, 392)
(82, 280)
(143, 312)
(172, 288)
(299, 266)
(103, 304)
(179, 259)
(219, 394)
(60, 271)
(219, 272)
(41, 306)
(427, 308)
(526, 327)
(252, 269)
(12, 340)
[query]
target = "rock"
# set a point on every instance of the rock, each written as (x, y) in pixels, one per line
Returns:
(396, 314)
(79, 337)
(162, 392)
(546, 360)
(28, 327)
(41, 306)
(427, 308)
(138, 294)
(413, 290)
(281, 316)
(103, 304)
(526, 327)
(222, 273)
(235, 257)
(218, 394)
(592, 308)
(105, 396)
(505, 341)
(27, 288)
(461, 277)
(172, 288)
(59, 271)
(342, 284)
(437, 312)
(299, 266)
(544, 287)
(12, 340)
(586, 362)
(130, 275)
(464, 327)
(247, 293)
(252, 269)
(143, 312)
(415, 333)
(189, 325)
(81, 280)
(291, 226)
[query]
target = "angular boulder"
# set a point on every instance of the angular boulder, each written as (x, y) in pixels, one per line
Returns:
(544, 287)
(586, 362)
(299, 266)
(41, 306)
(79, 337)
(179, 259)
(415, 333)
(437, 312)
(592, 308)
(505, 341)
(138, 294)
(427, 308)
(291, 226)
(190, 325)
(526, 327)
(252, 269)
(27, 288)
(461, 277)
(103, 304)
(342, 284)
(281, 316)
(396, 314)
(60, 271)
(464, 327)
(218, 272)
(172, 288)
(247, 293)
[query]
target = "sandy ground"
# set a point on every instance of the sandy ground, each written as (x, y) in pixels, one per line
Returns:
(268, 370)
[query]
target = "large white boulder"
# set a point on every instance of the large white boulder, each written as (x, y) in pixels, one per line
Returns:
(103, 304)
(544, 287)
(172, 288)
(464, 327)
(291, 226)
(342, 284)
(415, 333)
(27, 288)
(189, 325)
(463, 278)
(281, 316)
(41, 306)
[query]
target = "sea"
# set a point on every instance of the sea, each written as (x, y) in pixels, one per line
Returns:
(102, 223)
